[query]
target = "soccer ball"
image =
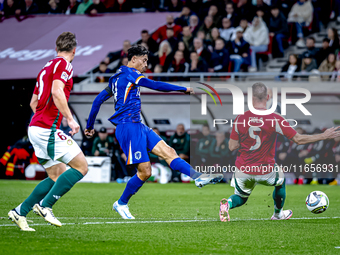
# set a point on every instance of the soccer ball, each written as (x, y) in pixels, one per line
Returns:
(317, 202)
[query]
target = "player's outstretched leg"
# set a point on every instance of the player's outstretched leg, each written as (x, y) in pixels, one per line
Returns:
(176, 163)
(133, 185)
(63, 184)
(230, 203)
(279, 196)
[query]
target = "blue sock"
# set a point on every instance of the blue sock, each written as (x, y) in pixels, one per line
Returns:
(131, 188)
(180, 165)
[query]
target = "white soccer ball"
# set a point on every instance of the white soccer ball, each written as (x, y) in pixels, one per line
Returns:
(317, 202)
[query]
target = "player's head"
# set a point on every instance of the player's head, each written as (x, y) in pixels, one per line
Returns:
(260, 93)
(66, 44)
(138, 57)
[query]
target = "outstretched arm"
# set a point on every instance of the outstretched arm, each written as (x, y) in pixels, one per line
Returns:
(328, 134)
(162, 86)
(98, 101)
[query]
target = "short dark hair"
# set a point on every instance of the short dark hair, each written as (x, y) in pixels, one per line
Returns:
(137, 50)
(259, 91)
(206, 125)
(144, 31)
(326, 40)
(311, 38)
(170, 28)
(66, 42)
(103, 63)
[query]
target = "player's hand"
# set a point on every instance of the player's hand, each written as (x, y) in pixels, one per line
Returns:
(89, 133)
(190, 91)
(332, 132)
(74, 126)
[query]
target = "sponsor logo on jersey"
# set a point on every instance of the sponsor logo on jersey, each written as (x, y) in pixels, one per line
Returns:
(69, 142)
(138, 155)
(64, 76)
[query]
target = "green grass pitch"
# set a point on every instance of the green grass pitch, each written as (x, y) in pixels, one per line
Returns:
(171, 219)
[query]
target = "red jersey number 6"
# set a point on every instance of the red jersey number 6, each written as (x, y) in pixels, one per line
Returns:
(62, 137)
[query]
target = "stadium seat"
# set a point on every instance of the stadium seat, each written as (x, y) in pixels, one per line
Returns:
(269, 51)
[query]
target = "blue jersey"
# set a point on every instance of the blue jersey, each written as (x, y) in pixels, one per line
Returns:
(125, 87)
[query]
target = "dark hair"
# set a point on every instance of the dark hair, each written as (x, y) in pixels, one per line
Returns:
(311, 38)
(206, 125)
(144, 31)
(170, 28)
(326, 40)
(137, 50)
(66, 42)
(102, 63)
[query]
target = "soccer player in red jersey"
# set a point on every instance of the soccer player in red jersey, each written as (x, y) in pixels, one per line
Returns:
(53, 148)
(255, 136)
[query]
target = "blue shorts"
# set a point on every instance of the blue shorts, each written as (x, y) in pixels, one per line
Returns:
(136, 140)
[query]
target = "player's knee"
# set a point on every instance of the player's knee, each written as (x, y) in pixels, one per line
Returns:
(53, 177)
(84, 169)
(145, 173)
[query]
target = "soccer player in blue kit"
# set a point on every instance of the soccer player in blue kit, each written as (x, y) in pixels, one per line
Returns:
(136, 139)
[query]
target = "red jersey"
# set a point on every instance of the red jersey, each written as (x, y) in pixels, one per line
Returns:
(257, 137)
(47, 114)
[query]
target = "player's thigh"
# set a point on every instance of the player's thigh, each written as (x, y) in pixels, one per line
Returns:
(132, 138)
(55, 170)
(243, 183)
(39, 139)
(274, 178)
(164, 151)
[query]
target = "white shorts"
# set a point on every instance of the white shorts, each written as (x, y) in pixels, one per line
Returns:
(52, 147)
(245, 183)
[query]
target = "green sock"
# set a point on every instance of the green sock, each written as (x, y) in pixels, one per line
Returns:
(279, 196)
(37, 194)
(236, 201)
(63, 184)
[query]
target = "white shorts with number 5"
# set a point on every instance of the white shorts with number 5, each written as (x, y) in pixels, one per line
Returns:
(52, 147)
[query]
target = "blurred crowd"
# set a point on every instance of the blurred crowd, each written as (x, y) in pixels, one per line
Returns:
(232, 36)
(213, 35)
(315, 60)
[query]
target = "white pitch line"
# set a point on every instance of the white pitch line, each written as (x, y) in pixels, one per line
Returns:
(163, 221)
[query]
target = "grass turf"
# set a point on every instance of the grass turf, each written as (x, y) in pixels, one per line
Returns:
(105, 232)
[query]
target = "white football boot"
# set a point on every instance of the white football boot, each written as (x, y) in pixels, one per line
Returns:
(47, 214)
(206, 179)
(123, 211)
(19, 220)
(286, 214)
(224, 210)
